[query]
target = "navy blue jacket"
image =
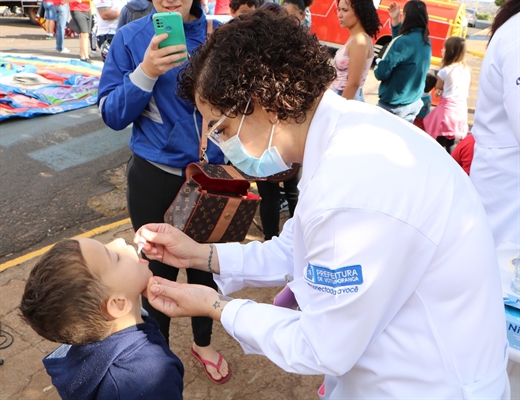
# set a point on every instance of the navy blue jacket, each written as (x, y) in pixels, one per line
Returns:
(134, 363)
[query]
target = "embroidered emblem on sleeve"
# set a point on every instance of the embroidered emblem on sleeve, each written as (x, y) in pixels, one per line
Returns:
(334, 280)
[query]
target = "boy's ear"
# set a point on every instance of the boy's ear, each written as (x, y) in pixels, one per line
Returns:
(118, 306)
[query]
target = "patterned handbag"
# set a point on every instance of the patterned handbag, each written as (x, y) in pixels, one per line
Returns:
(214, 205)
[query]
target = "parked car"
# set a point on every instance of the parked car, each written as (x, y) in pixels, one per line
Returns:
(471, 15)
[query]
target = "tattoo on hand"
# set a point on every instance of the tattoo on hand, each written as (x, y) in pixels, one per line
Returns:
(221, 297)
(210, 257)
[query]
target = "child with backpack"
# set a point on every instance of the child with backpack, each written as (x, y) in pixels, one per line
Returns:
(133, 10)
(450, 118)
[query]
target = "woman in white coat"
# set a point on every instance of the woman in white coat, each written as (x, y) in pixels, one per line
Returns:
(392, 259)
(495, 170)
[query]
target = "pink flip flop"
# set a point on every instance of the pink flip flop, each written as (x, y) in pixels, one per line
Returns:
(216, 366)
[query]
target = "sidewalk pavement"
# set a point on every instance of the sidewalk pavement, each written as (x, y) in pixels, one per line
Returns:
(22, 376)
(476, 44)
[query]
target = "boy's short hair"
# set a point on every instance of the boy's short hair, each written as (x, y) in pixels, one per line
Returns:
(430, 82)
(63, 301)
(235, 4)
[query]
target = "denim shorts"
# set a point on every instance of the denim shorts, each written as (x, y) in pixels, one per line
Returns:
(50, 11)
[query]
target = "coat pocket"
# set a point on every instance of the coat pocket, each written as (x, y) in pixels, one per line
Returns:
(493, 386)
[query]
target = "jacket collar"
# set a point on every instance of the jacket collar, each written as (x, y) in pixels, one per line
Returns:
(320, 132)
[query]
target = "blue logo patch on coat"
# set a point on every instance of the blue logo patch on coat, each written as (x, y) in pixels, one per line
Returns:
(344, 276)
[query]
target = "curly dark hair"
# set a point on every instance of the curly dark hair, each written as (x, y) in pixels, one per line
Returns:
(367, 15)
(261, 56)
(235, 4)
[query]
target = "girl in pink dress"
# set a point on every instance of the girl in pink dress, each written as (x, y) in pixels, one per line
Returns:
(450, 118)
(353, 60)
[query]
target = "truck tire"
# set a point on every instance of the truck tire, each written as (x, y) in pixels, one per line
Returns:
(31, 13)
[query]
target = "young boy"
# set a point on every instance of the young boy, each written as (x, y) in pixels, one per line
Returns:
(86, 295)
(239, 7)
(426, 98)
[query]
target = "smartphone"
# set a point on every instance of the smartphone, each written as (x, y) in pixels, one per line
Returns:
(170, 23)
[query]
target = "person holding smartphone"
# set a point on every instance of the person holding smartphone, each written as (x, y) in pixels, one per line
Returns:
(138, 86)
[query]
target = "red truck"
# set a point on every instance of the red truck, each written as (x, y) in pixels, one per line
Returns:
(446, 18)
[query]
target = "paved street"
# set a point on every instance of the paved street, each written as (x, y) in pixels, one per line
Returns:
(61, 174)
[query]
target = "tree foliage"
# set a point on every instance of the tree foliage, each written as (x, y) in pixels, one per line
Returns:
(499, 2)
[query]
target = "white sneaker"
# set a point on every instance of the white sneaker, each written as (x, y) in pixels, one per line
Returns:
(64, 51)
(95, 54)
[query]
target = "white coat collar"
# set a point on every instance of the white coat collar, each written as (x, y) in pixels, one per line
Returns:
(321, 129)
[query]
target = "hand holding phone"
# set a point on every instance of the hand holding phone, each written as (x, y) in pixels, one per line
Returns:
(170, 23)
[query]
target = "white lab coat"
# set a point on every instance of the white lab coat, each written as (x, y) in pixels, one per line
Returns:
(495, 170)
(394, 268)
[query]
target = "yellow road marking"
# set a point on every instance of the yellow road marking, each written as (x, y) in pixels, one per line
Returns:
(36, 253)
(480, 54)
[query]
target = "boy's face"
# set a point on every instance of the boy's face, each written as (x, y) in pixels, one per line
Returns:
(118, 265)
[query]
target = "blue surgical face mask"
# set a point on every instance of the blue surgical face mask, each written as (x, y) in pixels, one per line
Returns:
(269, 163)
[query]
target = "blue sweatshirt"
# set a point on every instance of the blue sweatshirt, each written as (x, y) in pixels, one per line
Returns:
(403, 69)
(130, 364)
(164, 129)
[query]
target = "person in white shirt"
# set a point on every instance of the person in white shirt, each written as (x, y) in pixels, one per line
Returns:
(450, 118)
(392, 260)
(107, 14)
(495, 169)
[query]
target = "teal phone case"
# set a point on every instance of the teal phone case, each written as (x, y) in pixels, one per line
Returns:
(170, 23)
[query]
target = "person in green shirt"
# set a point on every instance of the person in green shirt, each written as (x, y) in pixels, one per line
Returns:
(403, 68)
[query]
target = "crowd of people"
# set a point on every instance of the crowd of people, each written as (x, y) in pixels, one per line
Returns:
(390, 252)
(96, 21)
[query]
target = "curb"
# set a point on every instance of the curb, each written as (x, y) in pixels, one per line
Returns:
(36, 253)
(480, 54)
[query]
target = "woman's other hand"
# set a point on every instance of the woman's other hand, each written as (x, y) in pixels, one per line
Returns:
(184, 300)
(159, 61)
(169, 245)
(394, 10)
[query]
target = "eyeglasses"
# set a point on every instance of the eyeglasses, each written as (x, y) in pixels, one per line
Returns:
(214, 133)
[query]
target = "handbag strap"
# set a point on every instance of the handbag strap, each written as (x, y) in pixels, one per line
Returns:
(203, 138)
(203, 158)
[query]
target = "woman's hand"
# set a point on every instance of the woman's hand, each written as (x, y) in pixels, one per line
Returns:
(394, 10)
(169, 245)
(158, 61)
(185, 300)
